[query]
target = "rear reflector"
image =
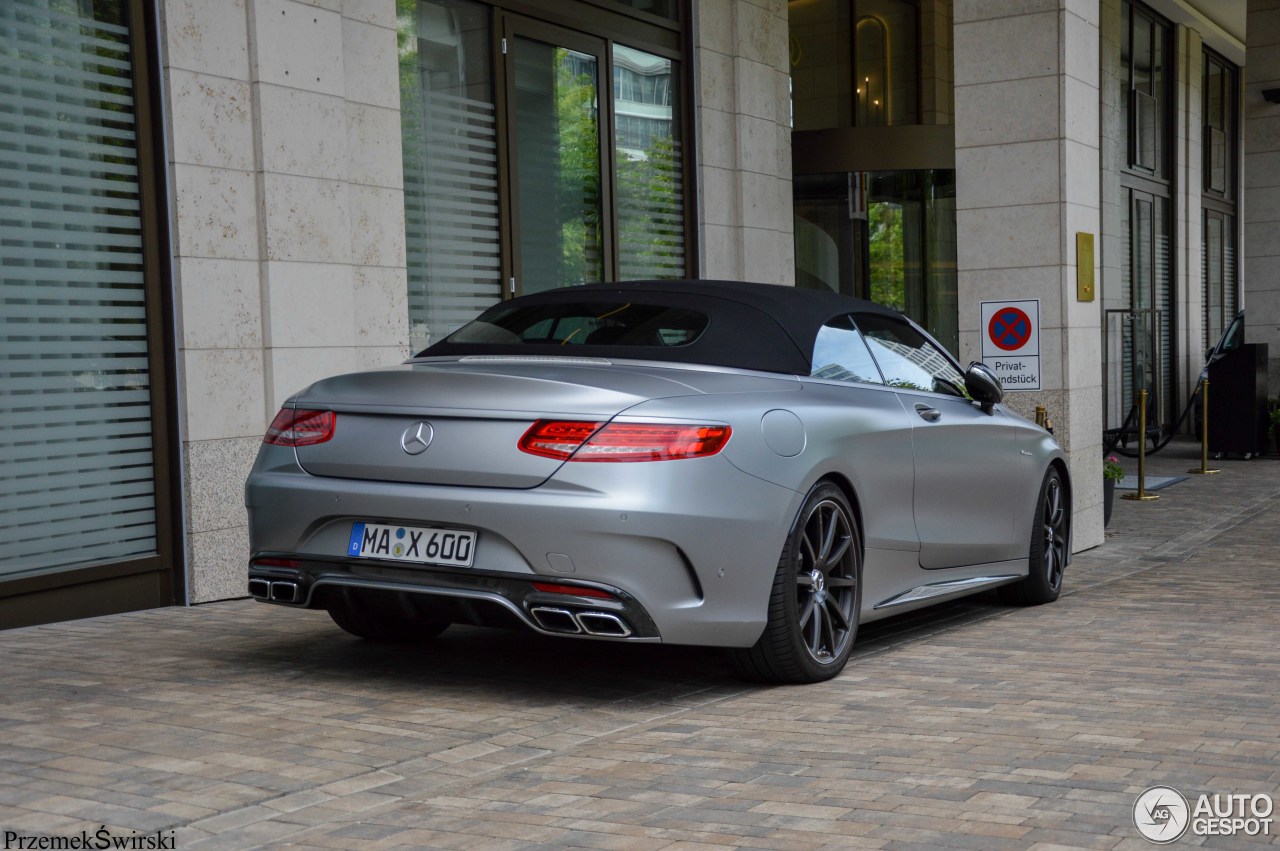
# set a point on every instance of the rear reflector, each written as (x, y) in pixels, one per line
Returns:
(270, 561)
(588, 441)
(574, 590)
(300, 428)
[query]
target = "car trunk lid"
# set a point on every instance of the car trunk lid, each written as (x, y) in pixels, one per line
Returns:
(459, 423)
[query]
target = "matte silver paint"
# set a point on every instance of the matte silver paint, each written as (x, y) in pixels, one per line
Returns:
(946, 504)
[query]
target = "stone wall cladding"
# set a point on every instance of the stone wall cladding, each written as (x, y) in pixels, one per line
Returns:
(284, 141)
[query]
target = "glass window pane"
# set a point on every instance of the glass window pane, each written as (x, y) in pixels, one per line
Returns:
(650, 167)
(557, 166)
(830, 221)
(906, 358)
(76, 463)
(668, 9)
(821, 45)
(887, 64)
(1160, 75)
(889, 236)
(1213, 278)
(586, 323)
(840, 353)
(450, 167)
(1212, 93)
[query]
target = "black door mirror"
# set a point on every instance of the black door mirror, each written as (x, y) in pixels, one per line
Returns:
(982, 386)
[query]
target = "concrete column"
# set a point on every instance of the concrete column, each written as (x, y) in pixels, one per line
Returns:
(745, 220)
(1188, 295)
(289, 260)
(1262, 181)
(1027, 180)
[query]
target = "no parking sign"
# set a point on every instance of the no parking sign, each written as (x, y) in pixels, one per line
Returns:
(1011, 342)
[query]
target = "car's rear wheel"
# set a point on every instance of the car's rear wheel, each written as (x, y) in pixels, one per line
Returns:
(374, 626)
(815, 598)
(1050, 538)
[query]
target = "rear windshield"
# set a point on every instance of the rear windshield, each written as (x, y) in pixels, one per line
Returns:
(585, 323)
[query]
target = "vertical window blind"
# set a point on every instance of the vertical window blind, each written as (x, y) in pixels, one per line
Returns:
(76, 464)
(650, 170)
(450, 149)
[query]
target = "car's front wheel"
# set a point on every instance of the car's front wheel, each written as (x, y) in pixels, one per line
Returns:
(1050, 539)
(374, 626)
(815, 598)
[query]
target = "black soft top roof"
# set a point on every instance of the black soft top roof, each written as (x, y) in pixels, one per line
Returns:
(752, 326)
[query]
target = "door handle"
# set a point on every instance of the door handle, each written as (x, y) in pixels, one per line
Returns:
(928, 413)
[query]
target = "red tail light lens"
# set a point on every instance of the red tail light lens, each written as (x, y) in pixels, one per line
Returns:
(556, 438)
(300, 428)
(587, 441)
(573, 590)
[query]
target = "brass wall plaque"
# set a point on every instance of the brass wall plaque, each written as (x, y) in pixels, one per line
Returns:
(1084, 266)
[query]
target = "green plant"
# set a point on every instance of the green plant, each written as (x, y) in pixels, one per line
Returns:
(1111, 469)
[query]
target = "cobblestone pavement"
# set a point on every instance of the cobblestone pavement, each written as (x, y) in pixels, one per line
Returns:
(238, 725)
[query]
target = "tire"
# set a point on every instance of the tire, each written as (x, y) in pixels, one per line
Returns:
(815, 598)
(368, 625)
(1050, 538)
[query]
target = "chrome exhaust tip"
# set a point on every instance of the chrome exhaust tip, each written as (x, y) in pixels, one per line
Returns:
(260, 588)
(603, 624)
(284, 592)
(555, 620)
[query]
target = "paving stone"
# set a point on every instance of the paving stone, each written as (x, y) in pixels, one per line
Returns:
(968, 725)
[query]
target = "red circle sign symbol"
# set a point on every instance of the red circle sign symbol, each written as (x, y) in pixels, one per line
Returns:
(1009, 329)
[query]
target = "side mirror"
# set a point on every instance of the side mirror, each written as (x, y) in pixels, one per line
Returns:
(982, 386)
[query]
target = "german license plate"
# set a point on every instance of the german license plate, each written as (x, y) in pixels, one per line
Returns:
(419, 544)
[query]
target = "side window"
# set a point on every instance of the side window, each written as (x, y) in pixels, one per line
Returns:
(907, 359)
(839, 353)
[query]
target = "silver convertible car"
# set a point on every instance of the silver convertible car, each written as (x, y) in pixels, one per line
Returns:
(754, 467)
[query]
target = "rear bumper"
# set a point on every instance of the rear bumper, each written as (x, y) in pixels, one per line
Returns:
(689, 547)
(484, 599)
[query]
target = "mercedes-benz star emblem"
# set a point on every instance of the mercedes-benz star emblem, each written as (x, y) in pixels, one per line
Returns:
(416, 438)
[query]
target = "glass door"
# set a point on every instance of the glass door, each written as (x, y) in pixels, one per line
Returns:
(554, 136)
(1146, 347)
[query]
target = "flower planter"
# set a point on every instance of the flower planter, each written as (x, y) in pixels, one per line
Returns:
(1108, 498)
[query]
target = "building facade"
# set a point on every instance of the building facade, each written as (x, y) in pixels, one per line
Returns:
(208, 205)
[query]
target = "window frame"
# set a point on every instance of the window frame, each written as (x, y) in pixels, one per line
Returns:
(1221, 204)
(604, 24)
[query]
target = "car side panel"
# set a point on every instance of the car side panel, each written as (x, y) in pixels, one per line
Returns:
(853, 431)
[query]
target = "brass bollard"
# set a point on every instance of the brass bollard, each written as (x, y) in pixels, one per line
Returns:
(1142, 453)
(1204, 431)
(1042, 415)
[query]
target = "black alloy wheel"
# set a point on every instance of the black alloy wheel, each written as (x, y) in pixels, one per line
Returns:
(1050, 542)
(816, 595)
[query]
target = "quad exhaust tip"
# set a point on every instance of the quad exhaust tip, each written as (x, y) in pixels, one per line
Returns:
(602, 623)
(276, 592)
(565, 622)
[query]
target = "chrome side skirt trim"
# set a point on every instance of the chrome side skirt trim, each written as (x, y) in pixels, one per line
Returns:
(941, 589)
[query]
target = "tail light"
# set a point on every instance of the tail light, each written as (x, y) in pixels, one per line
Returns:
(574, 440)
(300, 428)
